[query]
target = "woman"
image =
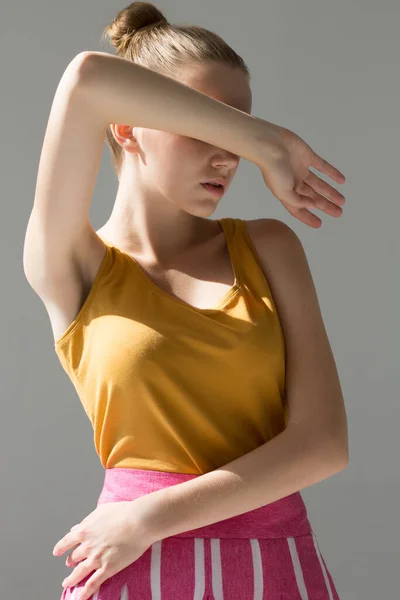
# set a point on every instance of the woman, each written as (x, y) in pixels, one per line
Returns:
(203, 392)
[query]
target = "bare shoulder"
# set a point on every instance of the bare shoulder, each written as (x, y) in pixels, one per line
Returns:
(284, 264)
(275, 242)
(274, 227)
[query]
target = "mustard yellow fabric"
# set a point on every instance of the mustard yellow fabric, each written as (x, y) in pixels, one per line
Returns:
(171, 387)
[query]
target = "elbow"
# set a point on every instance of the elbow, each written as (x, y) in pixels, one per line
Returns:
(335, 442)
(330, 448)
(76, 72)
(81, 60)
(337, 451)
(82, 64)
(342, 443)
(342, 460)
(89, 69)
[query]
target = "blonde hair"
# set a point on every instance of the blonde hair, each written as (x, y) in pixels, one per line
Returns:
(142, 34)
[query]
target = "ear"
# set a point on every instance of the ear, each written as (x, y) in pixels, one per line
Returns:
(125, 136)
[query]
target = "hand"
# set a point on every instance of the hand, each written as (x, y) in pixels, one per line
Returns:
(286, 173)
(107, 540)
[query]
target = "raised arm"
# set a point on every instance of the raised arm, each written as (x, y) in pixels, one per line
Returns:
(125, 92)
(61, 250)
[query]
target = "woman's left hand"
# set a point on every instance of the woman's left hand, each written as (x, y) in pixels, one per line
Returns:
(286, 172)
(111, 537)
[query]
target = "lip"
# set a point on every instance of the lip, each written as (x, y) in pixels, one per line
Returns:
(219, 180)
(217, 192)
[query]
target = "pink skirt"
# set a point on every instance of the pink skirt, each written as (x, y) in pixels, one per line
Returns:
(270, 553)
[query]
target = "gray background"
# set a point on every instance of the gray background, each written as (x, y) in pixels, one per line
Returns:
(326, 70)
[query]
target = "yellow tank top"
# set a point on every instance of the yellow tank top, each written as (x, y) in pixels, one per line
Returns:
(171, 387)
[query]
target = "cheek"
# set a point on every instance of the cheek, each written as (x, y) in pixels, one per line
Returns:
(181, 156)
(184, 148)
(176, 159)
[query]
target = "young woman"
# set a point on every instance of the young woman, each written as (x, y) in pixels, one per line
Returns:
(196, 346)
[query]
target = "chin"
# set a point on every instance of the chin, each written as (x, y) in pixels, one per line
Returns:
(206, 209)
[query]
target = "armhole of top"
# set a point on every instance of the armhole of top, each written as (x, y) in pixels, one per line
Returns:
(256, 257)
(253, 249)
(88, 301)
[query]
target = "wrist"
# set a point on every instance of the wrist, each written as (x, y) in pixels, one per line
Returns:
(268, 142)
(149, 509)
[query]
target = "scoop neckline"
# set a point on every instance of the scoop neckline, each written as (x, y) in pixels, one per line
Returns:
(223, 302)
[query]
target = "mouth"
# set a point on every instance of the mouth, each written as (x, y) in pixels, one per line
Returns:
(216, 190)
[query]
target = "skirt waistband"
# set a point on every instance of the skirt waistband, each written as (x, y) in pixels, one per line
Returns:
(286, 517)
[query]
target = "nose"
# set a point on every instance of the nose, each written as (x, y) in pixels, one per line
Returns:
(225, 159)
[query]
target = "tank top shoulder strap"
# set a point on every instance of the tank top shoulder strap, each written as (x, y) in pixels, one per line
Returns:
(249, 266)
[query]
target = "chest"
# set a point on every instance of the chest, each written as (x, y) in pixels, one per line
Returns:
(204, 280)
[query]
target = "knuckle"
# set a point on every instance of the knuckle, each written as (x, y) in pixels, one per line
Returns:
(93, 562)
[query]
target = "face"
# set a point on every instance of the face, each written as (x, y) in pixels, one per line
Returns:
(171, 167)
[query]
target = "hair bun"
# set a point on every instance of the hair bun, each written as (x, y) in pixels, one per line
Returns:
(131, 19)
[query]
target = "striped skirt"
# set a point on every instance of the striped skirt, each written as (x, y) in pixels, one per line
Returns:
(270, 553)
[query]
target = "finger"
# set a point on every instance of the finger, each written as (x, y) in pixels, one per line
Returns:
(306, 217)
(67, 542)
(320, 202)
(325, 167)
(84, 568)
(324, 188)
(93, 584)
(293, 199)
(71, 560)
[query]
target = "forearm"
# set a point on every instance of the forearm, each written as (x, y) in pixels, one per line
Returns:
(124, 92)
(282, 466)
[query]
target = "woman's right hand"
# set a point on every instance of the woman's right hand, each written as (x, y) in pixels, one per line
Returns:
(286, 173)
